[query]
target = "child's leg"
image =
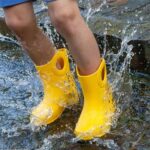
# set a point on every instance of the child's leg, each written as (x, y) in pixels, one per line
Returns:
(21, 20)
(65, 16)
(96, 116)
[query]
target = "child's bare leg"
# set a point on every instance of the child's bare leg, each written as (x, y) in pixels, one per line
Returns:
(21, 20)
(66, 18)
(98, 107)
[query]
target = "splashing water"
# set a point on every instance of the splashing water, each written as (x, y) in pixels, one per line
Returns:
(4, 38)
(21, 89)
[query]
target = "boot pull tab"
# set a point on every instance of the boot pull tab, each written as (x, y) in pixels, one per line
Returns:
(60, 63)
(102, 75)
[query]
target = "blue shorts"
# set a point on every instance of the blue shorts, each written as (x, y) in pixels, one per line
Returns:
(7, 3)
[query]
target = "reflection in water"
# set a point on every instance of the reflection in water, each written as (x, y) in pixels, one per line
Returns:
(128, 64)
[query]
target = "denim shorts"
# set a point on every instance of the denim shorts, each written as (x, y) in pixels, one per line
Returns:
(7, 3)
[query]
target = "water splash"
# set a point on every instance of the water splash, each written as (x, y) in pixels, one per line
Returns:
(8, 39)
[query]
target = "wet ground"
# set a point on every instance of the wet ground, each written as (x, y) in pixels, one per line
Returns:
(128, 61)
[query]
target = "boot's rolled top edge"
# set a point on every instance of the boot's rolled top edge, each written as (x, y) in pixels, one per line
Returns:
(102, 65)
(61, 55)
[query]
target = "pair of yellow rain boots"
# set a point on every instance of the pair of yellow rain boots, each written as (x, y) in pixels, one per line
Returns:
(60, 91)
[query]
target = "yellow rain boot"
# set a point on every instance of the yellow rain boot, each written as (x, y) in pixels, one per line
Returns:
(59, 90)
(96, 117)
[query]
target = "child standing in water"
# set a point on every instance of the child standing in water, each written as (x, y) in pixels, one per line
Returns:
(53, 66)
